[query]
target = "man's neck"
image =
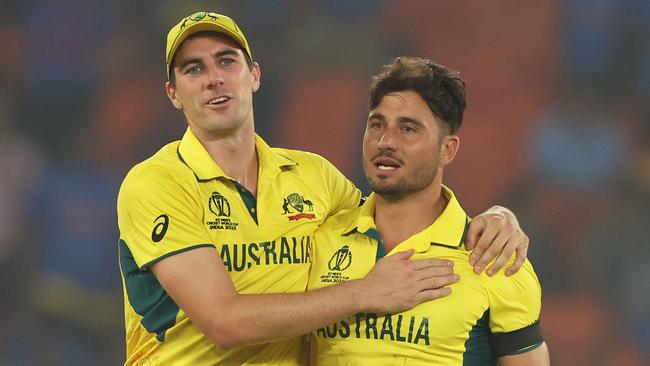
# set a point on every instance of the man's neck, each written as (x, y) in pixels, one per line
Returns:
(236, 155)
(398, 220)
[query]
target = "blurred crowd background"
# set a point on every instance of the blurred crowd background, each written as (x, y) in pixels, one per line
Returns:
(557, 129)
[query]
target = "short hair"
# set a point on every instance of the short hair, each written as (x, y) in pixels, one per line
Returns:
(172, 75)
(441, 88)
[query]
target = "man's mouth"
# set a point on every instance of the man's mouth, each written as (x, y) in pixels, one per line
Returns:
(386, 167)
(218, 100)
(386, 164)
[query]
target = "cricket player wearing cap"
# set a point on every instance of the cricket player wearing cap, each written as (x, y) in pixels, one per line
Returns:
(416, 108)
(216, 230)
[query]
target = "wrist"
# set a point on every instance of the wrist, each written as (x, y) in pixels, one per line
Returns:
(358, 296)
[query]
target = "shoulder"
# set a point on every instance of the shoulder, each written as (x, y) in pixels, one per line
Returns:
(162, 172)
(304, 159)
(165, 164)
(524, 281)
(338, 224)
(515, 300)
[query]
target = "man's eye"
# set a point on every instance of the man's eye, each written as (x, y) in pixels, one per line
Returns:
(193, 70)
(227, 61)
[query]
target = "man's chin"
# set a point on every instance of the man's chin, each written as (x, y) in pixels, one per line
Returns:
(385, 188)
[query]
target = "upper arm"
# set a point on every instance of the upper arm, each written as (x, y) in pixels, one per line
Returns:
(162, 232)
(159, 216)
(535, 357)
(515, 304)
(199, 283)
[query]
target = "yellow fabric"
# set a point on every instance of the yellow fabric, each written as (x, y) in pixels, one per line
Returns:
(203, 207)
(200, 22)
(433, 333)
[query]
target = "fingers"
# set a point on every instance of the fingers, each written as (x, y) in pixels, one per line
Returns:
(477, 228)
(474, 230)
(503, 258)
(395, 281)
(428, 295)
(522, 252)
(479, 259)
(430, 262)
(498, 229)
(434, 272)
(495, 249)
(437, 282)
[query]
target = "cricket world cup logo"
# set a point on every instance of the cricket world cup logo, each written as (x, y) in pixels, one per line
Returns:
(219, 205)
(341, 259)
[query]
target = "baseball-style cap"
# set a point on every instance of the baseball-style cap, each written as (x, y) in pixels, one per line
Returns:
(200, 22)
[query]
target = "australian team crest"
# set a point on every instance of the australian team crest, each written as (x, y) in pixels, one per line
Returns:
(220, 207)
(297, 204)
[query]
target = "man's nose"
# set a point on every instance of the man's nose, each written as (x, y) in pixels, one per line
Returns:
(388, 140)
(214, 77)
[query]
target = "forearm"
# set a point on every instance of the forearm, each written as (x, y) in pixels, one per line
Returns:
(248, 319)
(231, 319)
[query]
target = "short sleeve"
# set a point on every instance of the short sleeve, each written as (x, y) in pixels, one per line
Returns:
(343, 193)
(515, 304)
(158, 216)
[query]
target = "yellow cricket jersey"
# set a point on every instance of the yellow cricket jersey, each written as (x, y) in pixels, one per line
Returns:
(484, 317)
(179, 200)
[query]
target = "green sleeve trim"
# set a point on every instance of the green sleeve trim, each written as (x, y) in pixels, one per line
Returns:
(166, 255)
(526, 349)
(518, 341)
(146, 296)
(478, 351)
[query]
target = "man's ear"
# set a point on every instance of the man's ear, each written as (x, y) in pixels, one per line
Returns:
(448, 149)
(257, 76)
(171, 94)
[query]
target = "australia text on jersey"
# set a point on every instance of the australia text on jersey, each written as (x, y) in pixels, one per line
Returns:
(285, 250)
(397, 328)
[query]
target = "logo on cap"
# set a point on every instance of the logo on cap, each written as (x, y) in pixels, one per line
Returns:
(199, 22)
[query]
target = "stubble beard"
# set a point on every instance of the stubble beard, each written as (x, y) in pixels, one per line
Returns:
(404, 186)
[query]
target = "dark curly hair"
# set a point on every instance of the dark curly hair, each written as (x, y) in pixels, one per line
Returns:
(441, 88)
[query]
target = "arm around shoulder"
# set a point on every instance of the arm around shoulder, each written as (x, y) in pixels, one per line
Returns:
(198, 282)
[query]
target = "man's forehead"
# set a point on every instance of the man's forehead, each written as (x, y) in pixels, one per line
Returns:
(395, 97)
(406, 105)
(220, 40)
(402, 100)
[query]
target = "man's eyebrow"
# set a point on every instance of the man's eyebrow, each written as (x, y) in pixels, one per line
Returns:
(189, 61)
(226, 52)
(410, 120)
(378, 116)
(197, 60)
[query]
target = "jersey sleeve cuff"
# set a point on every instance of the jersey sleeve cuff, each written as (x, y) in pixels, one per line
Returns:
(518, 341)
(166, 255)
